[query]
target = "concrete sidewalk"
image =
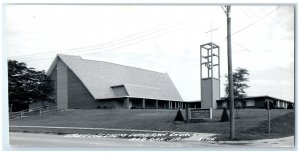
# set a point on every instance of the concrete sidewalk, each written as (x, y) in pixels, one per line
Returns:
(278, 142)
(268, 143)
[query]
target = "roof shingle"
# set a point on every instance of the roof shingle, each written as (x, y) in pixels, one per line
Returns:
(99, 77)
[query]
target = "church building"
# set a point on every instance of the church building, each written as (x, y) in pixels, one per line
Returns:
(87, 84)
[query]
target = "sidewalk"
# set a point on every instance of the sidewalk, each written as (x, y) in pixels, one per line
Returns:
(278, 142)
(267, 143)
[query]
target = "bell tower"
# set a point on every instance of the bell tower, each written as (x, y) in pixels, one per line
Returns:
(209, 75)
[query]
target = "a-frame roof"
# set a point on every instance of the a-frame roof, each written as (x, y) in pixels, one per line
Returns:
(100, 77)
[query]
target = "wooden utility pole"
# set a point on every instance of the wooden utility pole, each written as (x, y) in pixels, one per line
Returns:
(230, 77)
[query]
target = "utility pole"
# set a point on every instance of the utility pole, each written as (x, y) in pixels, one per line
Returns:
(231, 96)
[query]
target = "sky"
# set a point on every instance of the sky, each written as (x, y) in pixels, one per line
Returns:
(160, 38)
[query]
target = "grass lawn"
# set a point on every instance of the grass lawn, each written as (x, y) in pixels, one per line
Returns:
(252, 123)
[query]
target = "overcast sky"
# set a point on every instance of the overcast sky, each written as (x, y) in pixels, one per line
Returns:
(160, 38)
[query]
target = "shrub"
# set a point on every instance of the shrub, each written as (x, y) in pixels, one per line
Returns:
(225, 117)
(290, 106)
(179, 116)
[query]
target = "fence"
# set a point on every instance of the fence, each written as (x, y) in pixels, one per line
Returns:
(33, 112)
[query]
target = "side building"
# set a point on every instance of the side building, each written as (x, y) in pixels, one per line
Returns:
(257, 102)
(88, 84)
(253, 102)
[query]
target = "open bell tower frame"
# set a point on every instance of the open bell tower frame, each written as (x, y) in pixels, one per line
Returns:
(209, 74)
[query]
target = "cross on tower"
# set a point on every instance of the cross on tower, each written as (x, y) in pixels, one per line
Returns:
(211, 31)
(208, 65)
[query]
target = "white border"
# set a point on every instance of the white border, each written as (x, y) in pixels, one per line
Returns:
(3, 55)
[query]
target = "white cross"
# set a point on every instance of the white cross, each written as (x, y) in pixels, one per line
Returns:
(211, 31)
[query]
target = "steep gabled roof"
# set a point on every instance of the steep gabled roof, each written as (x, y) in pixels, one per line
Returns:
(99, 77)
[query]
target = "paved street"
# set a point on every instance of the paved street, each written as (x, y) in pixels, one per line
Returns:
(51, 140)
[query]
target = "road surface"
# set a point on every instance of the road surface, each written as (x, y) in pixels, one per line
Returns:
(18, 139)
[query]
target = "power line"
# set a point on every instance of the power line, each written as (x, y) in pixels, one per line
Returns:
(250, 51)
(113, 47)
(244, 12)
(274, 44)
(142, 38)
(137, 41)
(119, 41)
(223, 8)
(106, 45)
(251, 24)
(113, 43)
(119, 19)
(94, 46)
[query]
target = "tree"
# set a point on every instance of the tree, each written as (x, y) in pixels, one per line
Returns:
(240, 79)
(290, 106)
(27, 85)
